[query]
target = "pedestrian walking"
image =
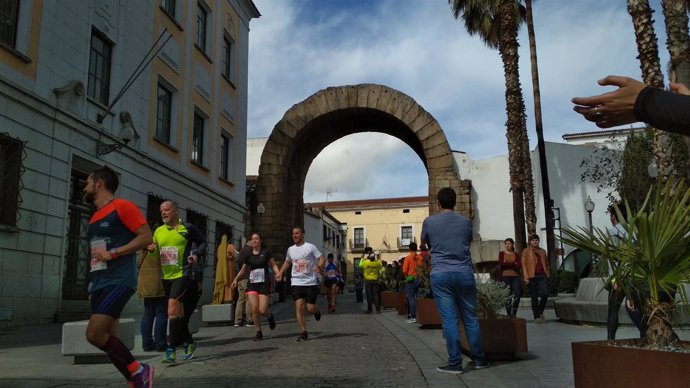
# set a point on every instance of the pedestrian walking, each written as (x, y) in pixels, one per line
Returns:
(535, 272)
(154, 322)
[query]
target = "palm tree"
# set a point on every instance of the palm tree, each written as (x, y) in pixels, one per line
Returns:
(496, 23)
(678, 45)
(653, 261)
(648, 51)
(546, 190)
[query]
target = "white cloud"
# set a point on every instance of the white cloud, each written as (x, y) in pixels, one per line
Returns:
(300, 47)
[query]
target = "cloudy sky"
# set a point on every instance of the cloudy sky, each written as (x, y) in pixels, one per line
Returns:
(299, 47)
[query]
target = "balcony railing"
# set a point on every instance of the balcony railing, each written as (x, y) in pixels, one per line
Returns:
(358, 245)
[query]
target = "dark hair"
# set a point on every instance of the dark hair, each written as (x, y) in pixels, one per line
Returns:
(425, 247)
(258, 234)
(368, 249)
(413, 246)
(330, 256)
(533, 237)
(509, 240)
(446, 198)
(108, 176)
(621, 208)
(297, 227)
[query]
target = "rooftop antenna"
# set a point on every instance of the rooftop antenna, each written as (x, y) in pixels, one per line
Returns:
(329, 192)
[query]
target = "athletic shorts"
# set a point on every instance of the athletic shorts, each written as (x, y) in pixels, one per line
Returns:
(176, 288)
(330, 282)
(308, 293)
(263, 288)
(110, 300)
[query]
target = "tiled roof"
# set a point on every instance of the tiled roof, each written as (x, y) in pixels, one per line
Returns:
(418, 201)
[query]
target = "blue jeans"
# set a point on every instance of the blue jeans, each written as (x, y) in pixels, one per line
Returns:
(411, 290)
(539, 290)
(155, 309)
(455, 291)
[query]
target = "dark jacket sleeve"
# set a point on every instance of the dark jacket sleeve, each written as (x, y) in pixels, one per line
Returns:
(196, 238)
(664, 110)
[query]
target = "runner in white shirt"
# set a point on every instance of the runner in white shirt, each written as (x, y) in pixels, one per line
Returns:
(307, 262)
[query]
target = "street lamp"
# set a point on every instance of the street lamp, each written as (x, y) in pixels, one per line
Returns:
(589, 206)
(260, 208)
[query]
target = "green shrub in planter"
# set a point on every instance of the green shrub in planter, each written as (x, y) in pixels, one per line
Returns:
(567, 281)
(492, 296)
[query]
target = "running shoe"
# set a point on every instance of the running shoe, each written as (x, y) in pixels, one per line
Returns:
(189, 351)
(454, 370)
(271, 322)
(317, 315)
(238, 325)
(250, 324)
(411, 320)
(144, 379)
(259, 336)
(169, 356)
(302, 336)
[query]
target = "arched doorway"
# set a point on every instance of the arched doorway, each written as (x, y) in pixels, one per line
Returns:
(327, 116)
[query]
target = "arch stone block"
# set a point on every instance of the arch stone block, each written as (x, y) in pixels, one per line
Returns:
(309, 126)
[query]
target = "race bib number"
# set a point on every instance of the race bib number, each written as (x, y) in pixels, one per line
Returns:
(169, 255)
(300, 267)
(331, 274)
(257, 276)
(97, 246)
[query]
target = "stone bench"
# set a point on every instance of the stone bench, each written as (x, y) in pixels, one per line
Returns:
(590, 305)
(218, 313)
(74, 341)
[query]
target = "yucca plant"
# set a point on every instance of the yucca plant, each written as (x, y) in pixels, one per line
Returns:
(654, 259)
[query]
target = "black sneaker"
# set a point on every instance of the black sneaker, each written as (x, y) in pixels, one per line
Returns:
(454, 370)
(480, 365)
(271, 322)
(317, 315)
(259, 336)
(302, 336)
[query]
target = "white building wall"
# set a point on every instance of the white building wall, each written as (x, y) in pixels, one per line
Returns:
(492, 199)
(32, 257)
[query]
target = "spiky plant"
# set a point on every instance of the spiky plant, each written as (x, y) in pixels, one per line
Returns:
(653, 260)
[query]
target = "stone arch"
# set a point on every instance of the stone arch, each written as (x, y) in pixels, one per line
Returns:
(328, 115)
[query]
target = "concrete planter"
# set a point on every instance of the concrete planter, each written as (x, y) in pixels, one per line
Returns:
(389, 299)
(427, 314)
(502, 337)
(597, 364)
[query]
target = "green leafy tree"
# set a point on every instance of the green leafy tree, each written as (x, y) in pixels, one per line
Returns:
(621, 173)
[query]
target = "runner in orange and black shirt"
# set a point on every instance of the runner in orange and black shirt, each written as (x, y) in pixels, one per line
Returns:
(116, 232)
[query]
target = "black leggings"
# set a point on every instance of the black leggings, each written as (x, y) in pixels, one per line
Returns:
(373, 294)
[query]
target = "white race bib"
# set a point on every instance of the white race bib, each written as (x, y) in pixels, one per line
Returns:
(300, 266)
(331, 273)
(97, 246)
(169, 255)
(257, 276)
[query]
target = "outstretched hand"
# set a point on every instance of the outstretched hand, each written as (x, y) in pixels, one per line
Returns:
(613, 108)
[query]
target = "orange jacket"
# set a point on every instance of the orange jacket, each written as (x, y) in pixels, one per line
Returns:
(529, 262)
(412, 261)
